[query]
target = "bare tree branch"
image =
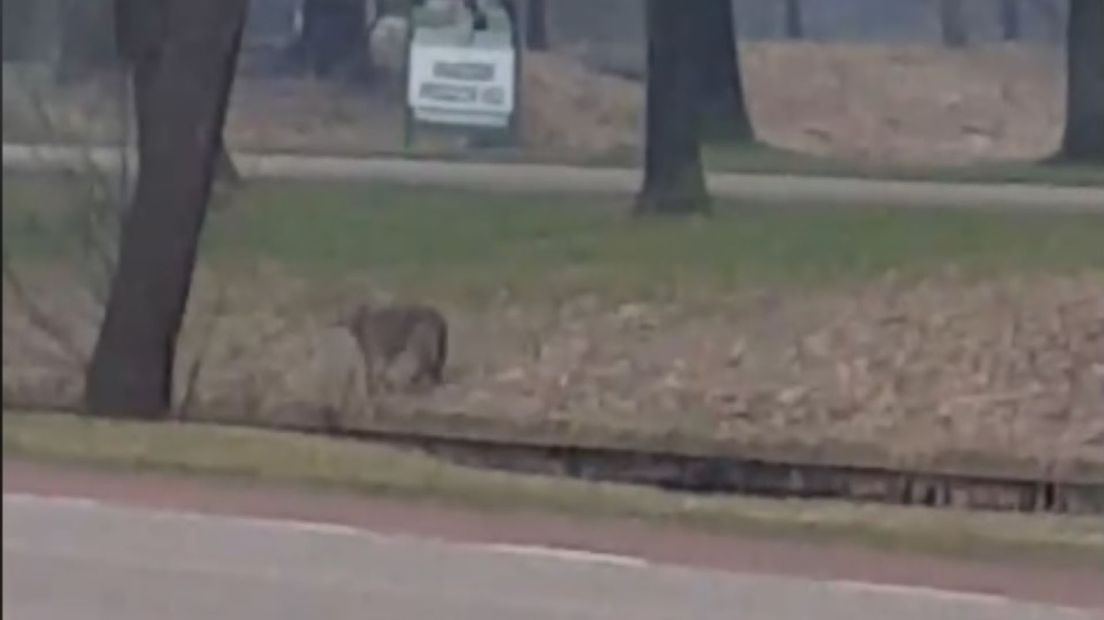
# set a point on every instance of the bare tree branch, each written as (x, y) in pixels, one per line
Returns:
(40, 318)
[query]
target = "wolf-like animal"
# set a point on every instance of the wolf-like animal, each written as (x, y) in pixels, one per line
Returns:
(414, 333)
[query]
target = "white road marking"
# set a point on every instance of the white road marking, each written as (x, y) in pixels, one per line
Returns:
(920, 591)
(564, 554)
(315, 527)
(58, 500)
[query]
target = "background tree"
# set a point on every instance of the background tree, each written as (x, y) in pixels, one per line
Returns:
(87, 38)
(793, 19)
(952, 23)
(183, 64)
(723, 106)
(334, 37)
(1048, 13)
(1084, 134)
(674, 181)
(19, 20)
(1011, 25)
(536, 26)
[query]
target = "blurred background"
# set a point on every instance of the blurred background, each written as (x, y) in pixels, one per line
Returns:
(874, 82)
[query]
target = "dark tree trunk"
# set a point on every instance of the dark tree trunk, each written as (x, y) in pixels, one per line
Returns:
(87, 38)
(140, 27)
(952, 23)
(723, 108)
(182, 85)
(536, 27)
(674, 182)
(334, 37)
(19, 17)
(1011, 26)
(794, 21)
(512, 12)
(1084, 135)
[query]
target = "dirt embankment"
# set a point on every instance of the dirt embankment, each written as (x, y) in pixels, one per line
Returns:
(1011, 367)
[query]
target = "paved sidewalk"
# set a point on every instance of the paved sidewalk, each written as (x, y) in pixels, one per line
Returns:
(752, 188)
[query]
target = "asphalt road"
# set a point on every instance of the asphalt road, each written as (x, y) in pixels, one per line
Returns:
(77, 560)
(752, 188)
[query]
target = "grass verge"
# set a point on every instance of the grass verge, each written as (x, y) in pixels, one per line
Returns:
(756, 159)
(468, 242)
(272, 457)
(764, 159)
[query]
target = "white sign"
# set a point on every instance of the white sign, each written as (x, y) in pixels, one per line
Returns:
(461, 85)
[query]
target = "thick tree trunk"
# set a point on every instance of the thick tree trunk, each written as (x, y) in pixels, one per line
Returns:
(182, 86)
(674, 181)
(952, 23)
(1084, 135)
(1011, 25)
(794, 20)
(723, 107)
(140, 27)
(536, 27)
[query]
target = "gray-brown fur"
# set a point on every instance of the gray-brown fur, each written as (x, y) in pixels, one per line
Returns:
(387, 333)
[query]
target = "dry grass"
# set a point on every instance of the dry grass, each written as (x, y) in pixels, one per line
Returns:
(866, 103)
(569, 109)
(921, 105)
(1006, 369)
(275, 457)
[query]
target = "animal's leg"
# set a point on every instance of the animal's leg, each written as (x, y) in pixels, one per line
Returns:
(371, 371)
